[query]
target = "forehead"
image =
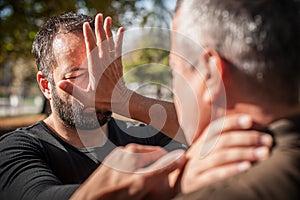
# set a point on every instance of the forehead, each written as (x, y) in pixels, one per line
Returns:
(68, 46)
(66, 42)
(69, 50)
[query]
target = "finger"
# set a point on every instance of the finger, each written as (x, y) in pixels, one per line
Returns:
(243, 138)
(145, 155)
(101, 36)
(89, 38)
(210, 137)
(157, 173)
(226, 156)
(77, 92)
(232, 122)
(119, 43)
(238, 121)
(166, 164)
(107, 28)
(222, 172)
(216, 174)
(134, 156)
(100, 33)
(91, 51)
(137, 148)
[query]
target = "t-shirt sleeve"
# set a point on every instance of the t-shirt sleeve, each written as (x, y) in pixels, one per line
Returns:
(158, 138)
(167, 143)
(123, 133)
(24, 173)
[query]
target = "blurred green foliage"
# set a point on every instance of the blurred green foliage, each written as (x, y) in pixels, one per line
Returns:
(148, 65)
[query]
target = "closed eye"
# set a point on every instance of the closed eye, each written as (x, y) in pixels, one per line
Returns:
(75, 74)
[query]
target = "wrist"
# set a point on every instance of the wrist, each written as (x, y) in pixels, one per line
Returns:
(121, 100)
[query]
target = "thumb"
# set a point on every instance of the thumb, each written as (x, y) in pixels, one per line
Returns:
(232, 122)
(78, 93)
(211, 134)
(166, 164)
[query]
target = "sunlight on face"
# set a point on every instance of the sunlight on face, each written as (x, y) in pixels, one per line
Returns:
(69, 51)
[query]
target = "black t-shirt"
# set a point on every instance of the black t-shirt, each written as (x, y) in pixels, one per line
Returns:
(37, 164)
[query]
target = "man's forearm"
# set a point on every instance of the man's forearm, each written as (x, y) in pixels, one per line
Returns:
(157, 113)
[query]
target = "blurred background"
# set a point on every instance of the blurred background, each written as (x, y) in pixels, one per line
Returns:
(21, 101)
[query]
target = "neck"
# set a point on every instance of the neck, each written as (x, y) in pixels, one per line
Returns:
(264, 114)
(76, 137)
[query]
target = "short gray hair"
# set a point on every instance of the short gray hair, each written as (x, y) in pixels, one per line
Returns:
(259, 38)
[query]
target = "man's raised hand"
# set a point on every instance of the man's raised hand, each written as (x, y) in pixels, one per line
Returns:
(106, 87)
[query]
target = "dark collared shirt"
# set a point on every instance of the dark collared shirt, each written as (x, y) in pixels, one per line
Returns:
(275, 178)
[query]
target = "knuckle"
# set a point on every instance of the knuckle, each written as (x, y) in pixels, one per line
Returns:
(225, 140)
(137, 184)
(131, 147)
(241, 153)
(255, 137)
(223, 156)
(250, 153)
(229, 136)
(231, 122)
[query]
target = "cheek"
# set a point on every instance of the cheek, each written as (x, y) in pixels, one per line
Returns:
(187, 102)
(61, 94)
(82, 81)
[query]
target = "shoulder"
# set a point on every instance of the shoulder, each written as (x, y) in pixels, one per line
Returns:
(21, 133)
(19, 148)
(259, 182)
(21, 139)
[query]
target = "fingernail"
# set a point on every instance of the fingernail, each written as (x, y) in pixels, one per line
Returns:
(244, 166)
(245, 121)
(261, 153)
(266, 140)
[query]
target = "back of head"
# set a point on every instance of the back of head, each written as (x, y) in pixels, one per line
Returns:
(259, 39)
(42, 45)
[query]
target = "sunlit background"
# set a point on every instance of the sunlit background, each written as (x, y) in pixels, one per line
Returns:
(21, 19)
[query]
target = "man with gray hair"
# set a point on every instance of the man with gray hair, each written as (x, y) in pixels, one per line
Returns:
(248, 49)
(79, 151)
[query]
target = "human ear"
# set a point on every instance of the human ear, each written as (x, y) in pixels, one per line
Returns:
(44, 85)
(214, 65)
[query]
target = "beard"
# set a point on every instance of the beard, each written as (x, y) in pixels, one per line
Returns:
(72, 114)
